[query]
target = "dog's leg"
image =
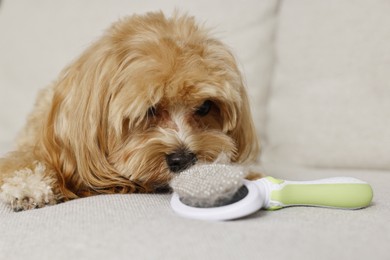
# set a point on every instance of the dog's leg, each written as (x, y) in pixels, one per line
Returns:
(26, 182)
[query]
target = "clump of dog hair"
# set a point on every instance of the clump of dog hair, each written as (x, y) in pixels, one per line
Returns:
(208, 185)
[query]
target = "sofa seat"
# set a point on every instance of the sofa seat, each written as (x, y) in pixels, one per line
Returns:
(143, 226)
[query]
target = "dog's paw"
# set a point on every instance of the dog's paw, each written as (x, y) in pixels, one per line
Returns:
(252, 176)
(28, 189)
(27, 203)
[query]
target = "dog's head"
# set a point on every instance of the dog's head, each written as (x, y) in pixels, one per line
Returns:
(151, 98)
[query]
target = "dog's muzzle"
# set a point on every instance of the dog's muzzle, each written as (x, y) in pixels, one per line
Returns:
(180, 160)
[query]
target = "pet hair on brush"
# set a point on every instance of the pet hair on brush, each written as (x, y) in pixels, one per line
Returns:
(210, 185)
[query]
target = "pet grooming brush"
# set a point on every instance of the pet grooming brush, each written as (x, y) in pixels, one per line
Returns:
(219, 192)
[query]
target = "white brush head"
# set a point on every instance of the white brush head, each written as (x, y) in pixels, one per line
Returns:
(208, 185)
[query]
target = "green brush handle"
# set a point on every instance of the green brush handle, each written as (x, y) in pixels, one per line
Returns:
(339, 192)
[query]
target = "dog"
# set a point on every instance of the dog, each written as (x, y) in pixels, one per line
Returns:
(149, 99)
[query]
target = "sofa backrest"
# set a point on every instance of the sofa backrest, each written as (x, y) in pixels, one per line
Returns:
(329, 104)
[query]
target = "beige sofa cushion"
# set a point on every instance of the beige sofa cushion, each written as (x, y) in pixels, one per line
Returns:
(143, 226)
(330, 99)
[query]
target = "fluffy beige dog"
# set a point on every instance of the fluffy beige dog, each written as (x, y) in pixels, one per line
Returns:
(152, 97)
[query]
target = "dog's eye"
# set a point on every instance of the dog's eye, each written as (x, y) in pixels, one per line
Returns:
(204, 109)
(152, 112)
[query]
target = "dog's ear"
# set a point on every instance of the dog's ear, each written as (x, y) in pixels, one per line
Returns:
(233, 103)
(76, 137)
(244, 132)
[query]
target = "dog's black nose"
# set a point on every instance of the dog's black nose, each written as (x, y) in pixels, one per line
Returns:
(180, 160)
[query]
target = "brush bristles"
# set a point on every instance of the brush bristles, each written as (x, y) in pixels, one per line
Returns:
(208, 185)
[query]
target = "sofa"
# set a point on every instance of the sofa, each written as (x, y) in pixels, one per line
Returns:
(318, 77)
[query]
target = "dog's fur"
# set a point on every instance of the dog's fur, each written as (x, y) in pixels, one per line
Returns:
(150, 87)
